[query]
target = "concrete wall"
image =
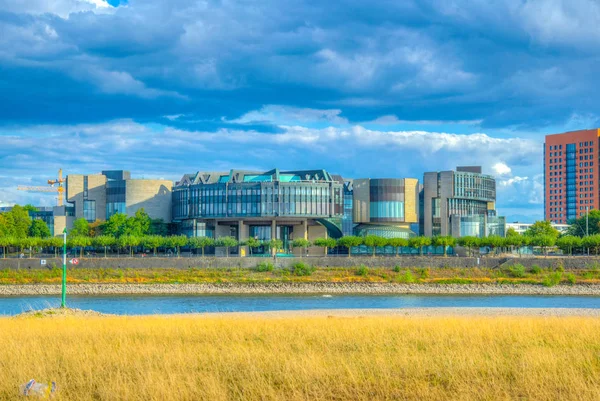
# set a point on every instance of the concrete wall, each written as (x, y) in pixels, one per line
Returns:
(152, 195)
(411, 200)
(96, 192)
(387, 262)
(361, 200)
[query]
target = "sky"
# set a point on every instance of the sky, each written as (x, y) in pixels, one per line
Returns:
(376, 89)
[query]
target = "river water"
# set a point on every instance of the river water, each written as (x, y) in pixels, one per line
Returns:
(168, 304)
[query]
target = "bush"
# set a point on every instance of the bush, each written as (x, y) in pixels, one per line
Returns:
(560, 267)
(407, 277)
(264, 267)
(517, 271)
(535, 269)
(423, 272)
(396, 269)
(571, 278)
(552, 279)
(362, 270)
(302, 269)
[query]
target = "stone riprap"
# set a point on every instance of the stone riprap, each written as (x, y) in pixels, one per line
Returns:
(300, 288)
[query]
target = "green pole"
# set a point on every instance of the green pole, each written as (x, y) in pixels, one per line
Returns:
(63, 303)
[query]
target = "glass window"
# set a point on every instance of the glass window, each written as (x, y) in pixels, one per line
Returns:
(89, 210)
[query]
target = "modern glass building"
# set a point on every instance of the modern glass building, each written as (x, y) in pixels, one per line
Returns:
(385, 207)
(264, 205)
(460, 203)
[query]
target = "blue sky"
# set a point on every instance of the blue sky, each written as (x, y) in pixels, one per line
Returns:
(377, 89)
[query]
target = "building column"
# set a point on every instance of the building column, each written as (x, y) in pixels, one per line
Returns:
(242, 236)
(305, 228)
(273, 234)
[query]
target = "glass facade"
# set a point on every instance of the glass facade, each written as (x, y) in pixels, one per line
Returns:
(386, 200)
(472, 226)
(382, 230)
(115, 197)
(89, 210)
(347, 220)
(571, 182)
(496, 226)
(267, 199)
(474, 186)
(194, 228)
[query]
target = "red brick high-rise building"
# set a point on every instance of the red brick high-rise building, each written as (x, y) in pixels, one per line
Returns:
(570, 182)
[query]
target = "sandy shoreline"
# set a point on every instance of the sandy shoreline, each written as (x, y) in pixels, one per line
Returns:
(300, 288)
(411, 312)
(337, 313)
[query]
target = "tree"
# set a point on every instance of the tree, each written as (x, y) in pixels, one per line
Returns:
(541, 228)
(511, 232)
(567, 242)
(374, 241)
(543, 241)
(6, 242)
(138, 225)
(54, 242)
(96, 228)
(226, 242)
(350, 241)
(115, 225)
(29, 208)
(152, 242)
(19, 221)
(129, 241)
(104, 241)
(445, 242)
(6, 225)
(29, 243)
(251, 243)
(201, 242)
(301, 243)
(81, 228)
(515, 240)
(493, 241)
(274, 245)
(178, 241)
(398, 243)
(577, 227)
(592, 241)
(325, 243)
(39, 229)
(468, 242)
(419, 242)
(79, 242)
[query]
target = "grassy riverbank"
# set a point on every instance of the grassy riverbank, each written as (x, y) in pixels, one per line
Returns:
(307, 274)
(301, 358)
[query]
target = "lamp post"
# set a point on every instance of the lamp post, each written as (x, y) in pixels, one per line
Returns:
(63, 303)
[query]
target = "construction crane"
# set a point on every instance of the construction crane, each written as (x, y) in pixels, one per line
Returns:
(59, 189)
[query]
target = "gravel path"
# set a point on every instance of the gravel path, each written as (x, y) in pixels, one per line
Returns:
(301, 288)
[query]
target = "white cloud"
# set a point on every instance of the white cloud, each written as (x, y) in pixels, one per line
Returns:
(61, 8)
(563, 22)
(285, 115)
(353, 151)
(394, 120)
(501, 168)
(122, 82)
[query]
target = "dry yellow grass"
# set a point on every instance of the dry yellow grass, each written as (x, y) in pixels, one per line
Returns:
(316, 358)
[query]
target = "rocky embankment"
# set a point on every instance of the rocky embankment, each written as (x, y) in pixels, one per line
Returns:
(301, 288)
